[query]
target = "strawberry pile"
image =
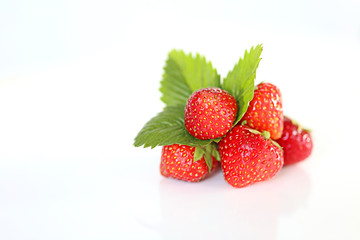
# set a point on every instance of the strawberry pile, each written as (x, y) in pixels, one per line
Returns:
(232, 122)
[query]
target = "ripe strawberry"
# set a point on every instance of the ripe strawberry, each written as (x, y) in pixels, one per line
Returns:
(248, 157)
(265, 111)
(177, 161)
(296, 142)
(210, 113)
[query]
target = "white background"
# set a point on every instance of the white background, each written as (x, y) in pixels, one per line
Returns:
(78, 80)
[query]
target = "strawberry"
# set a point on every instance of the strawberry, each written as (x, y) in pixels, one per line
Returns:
(248, 157)
(177, 162)
(296, 142)
(210, 113)
(265, 111)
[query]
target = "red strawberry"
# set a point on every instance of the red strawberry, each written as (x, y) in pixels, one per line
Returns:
(210, 113)
(296, 142)
(177, 161)
(248, 157)
(265, 112)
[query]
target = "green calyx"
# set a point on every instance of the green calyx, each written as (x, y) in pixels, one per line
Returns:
(299, 127)
(276, 143)
(207, 152)
(266, 135)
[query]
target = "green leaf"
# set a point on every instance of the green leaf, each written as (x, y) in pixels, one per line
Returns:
(240, 81)
(167, 128)
(185, 74)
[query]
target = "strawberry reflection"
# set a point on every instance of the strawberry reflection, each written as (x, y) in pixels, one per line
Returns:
(213, 209)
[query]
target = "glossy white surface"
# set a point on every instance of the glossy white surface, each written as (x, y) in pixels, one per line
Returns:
(75, 89)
